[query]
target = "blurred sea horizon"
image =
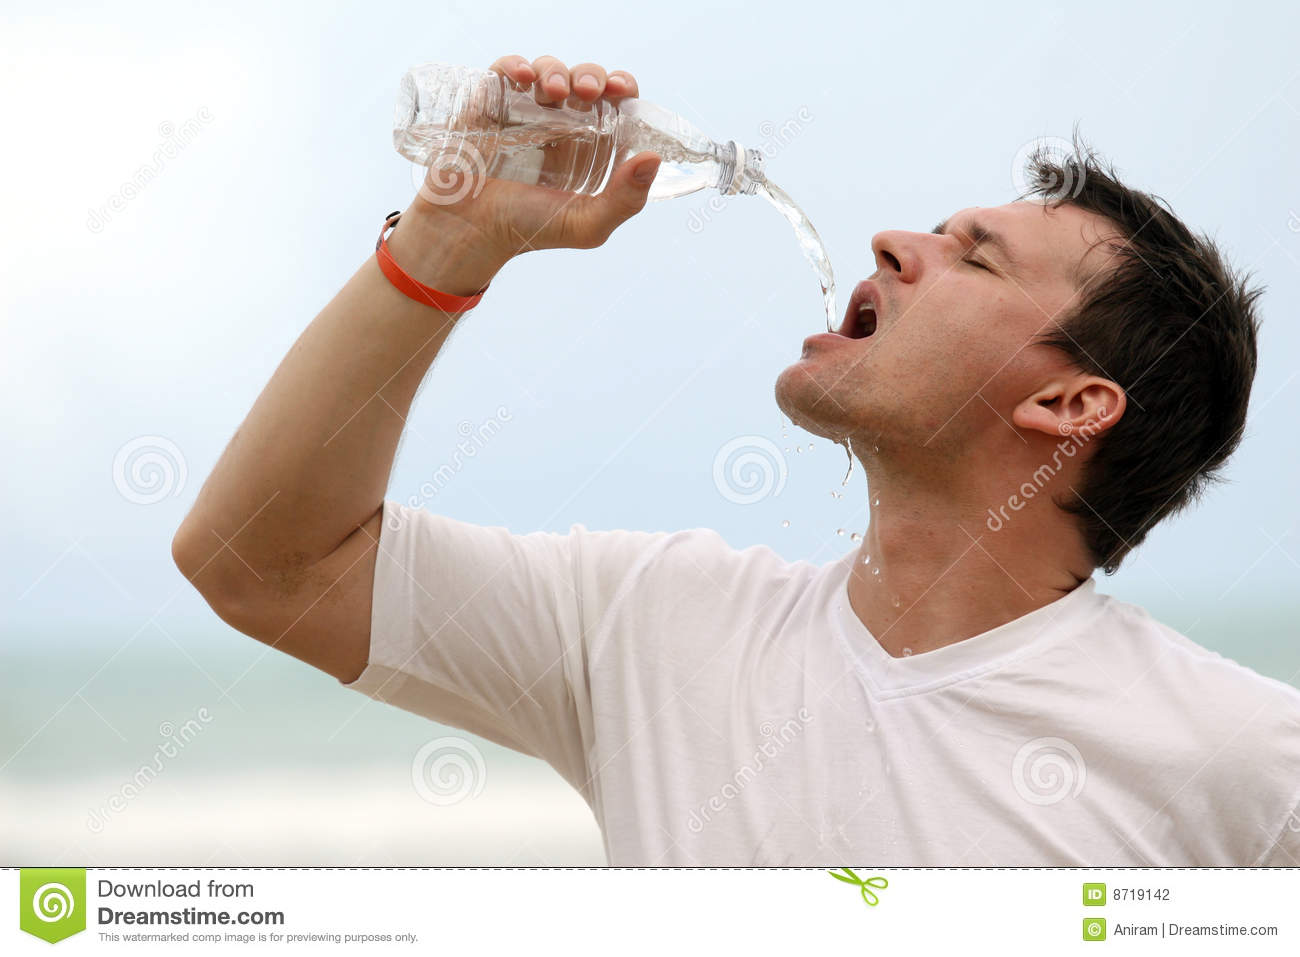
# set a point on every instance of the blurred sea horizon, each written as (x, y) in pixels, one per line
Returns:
(291, 768)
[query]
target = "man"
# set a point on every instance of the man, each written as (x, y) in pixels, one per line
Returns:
(1029, 388)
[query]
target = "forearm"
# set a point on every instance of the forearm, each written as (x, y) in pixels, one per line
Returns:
(311, 461)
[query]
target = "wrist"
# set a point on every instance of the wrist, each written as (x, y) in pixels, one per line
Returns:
(442, 250)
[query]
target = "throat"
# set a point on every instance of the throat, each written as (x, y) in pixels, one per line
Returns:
(920, 581)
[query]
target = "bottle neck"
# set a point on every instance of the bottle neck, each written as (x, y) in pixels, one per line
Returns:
(741, 170)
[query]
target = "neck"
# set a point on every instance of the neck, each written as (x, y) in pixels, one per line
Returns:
(931, 571)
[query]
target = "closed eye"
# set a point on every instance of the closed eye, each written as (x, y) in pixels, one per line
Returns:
(977, 264)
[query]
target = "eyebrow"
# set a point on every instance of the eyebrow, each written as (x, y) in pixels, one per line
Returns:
(981, 234)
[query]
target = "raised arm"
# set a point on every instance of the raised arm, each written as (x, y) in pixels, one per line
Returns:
(281, 539)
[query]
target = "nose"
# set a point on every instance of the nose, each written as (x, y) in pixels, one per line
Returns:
(896, 252)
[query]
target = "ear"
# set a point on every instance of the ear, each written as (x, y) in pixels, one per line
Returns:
(1084, 405)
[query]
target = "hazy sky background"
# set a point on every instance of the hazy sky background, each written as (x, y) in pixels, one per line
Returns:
(624, 370)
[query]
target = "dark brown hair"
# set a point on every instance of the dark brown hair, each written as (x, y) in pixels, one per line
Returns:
(1174, 326)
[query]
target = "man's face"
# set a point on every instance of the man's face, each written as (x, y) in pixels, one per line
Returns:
(952, 351)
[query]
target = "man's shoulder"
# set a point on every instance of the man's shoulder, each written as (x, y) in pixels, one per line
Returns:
(690, 552)
(1209, 703)
(1218, 735)
(688, 582)
(1215, 678)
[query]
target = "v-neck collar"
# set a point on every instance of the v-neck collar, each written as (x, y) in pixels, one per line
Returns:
(980, 653)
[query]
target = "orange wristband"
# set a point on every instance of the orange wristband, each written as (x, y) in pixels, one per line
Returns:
(412, 288)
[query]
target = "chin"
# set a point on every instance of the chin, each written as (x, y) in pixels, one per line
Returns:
(808, 405)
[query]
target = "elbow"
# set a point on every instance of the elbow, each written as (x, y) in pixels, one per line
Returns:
(186, 553)
(228, 594)
(202, 565)
(183, 552)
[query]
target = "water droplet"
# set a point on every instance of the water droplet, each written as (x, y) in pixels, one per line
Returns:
(875, 572)
(895, 601)
(839, 531)
(834, 494)
(875, 448)
(785, 523)
(848, 450)
(866, 559)
(856, 537)
(875, 502)
(787, 448)
(798, 449)
(907, 652)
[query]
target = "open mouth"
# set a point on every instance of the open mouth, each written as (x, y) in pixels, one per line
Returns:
(860, 317)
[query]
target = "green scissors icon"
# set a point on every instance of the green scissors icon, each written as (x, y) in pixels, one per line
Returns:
(868, 894)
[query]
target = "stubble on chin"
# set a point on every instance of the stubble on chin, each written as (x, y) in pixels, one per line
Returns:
(808, 404)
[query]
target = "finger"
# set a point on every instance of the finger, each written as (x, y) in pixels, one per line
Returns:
(588, 80)
(590, 220)
(552, 84)
(620, 85)
(516, 69)
(627, 191)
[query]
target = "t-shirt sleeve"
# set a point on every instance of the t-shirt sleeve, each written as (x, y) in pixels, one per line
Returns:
(1278, 762)
(1284, 851)
(485, 630)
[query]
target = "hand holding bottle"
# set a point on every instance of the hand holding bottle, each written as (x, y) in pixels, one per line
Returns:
(501, 218)
(537, 155)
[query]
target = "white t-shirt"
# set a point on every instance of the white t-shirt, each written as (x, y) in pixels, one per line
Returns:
(725, 707)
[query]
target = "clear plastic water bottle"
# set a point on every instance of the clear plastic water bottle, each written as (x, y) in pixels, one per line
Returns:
(473, 122)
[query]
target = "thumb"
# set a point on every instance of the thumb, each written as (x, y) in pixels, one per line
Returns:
(626, 192)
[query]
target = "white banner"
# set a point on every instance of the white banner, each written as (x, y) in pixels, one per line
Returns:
(786, 911)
